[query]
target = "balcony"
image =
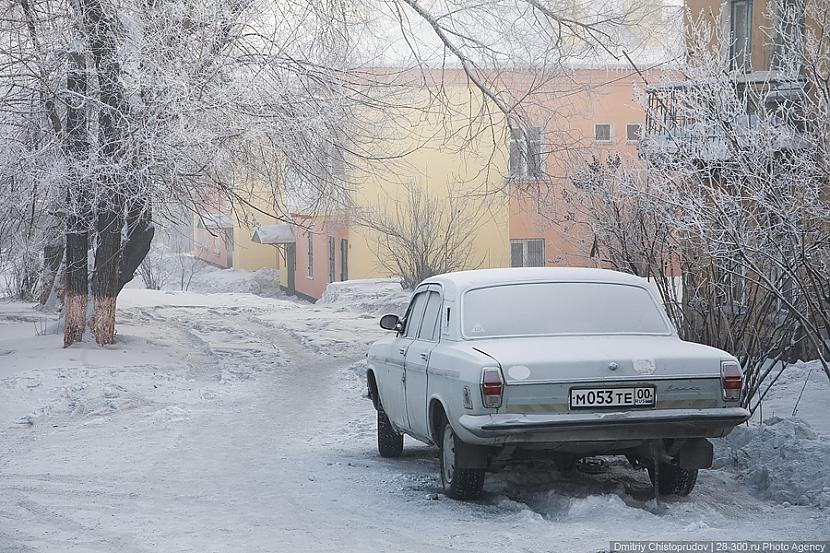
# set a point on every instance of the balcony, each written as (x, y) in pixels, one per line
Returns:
(709, 122)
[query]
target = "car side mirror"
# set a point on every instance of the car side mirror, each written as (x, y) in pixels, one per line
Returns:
(390, 322)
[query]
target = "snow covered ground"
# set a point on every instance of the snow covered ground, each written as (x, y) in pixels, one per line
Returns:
(184, 272)
(231, 422)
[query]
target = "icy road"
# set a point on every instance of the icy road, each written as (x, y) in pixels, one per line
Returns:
(233, 423)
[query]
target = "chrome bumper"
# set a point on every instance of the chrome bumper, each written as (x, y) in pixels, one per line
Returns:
(596, 427)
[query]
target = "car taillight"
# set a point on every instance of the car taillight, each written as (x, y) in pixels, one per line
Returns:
(731, 380)
(492, 387)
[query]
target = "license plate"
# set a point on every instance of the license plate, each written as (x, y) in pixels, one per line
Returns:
(591, 398)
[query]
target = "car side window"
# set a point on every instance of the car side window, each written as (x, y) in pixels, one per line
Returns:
(415, 315)
(431, 325)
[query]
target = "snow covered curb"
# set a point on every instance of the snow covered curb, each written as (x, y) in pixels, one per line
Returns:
(783, 460)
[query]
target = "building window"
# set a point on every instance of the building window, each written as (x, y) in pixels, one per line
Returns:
(740, 35)
(344, 259)
(525, 153)
(216, 247)
(336, 162)
(789, 30)
(602, 132)
(527, 253)
(310, 259)
(331, 259)
(632, 132)
(732, 284)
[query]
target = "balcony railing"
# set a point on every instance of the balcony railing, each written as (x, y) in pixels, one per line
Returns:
(673, 135)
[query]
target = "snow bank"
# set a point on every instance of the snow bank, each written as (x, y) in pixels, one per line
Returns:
(373, 296)
(783, 460)
(173, 271)
(264, 282)
(802, 390)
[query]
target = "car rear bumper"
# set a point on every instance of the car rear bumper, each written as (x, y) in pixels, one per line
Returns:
(599, 427)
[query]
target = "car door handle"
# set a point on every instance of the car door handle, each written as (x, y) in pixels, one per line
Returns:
(402, 351)
(424, 355)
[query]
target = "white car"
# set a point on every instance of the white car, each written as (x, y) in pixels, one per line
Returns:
(500, 365)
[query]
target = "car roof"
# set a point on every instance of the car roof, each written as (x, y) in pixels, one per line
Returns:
(455, 283)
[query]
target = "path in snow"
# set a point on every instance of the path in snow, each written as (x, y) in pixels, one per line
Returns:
(233, 424)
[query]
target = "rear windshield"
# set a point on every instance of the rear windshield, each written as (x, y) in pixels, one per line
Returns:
(560, 308)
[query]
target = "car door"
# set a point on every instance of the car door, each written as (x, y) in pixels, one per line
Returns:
(393, 390)
(416, 363)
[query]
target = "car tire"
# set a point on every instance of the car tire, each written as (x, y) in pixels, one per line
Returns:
(674, 480)
(390, 442)
(463, 484)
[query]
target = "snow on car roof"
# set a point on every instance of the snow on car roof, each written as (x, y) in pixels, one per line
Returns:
(463, 280)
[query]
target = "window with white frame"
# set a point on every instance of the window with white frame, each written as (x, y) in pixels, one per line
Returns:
(310, 257)
(788, 36)
(526, 153)
(740, 35)
(527, 253)
(632, 132)
(780, 276)
(602, 132)
(336, 162)
(217, 249)
(732, 284)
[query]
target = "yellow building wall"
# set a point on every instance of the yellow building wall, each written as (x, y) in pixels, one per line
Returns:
(252, 256)
(247, 254)
(447, 148)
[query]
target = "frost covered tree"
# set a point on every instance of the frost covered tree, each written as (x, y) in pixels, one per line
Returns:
(421, 236)
(734, 197)
(114, 109)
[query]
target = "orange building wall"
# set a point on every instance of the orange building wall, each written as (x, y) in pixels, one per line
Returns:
(203, 245)
(538, 209)
(321, 229)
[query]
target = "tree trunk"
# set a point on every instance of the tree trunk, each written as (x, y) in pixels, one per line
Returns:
(75, 291)
(77, 235)
(52, 257)
(103, 39)
(140, 232)
(106, 281)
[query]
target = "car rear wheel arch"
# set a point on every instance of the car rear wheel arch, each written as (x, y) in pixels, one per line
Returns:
(437, 415)
(372, 385)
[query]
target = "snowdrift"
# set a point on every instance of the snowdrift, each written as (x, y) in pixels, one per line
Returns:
(373, 296)
(783, 460)
(264, 282)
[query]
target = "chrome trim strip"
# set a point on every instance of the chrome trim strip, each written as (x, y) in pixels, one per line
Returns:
(616, 378)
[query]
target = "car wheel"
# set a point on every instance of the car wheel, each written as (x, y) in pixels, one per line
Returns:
(458, 483)
(674, 480)
(390, 442)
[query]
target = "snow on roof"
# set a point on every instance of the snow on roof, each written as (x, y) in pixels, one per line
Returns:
(484, 277)
(215, 221)
(273, 234)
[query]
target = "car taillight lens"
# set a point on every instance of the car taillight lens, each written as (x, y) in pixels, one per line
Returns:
(492, 387)
(731, 380)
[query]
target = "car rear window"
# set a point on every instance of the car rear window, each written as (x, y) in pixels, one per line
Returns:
(536, 309)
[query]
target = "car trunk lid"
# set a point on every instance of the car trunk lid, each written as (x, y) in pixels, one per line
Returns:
(598, 358)
(539, 372)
